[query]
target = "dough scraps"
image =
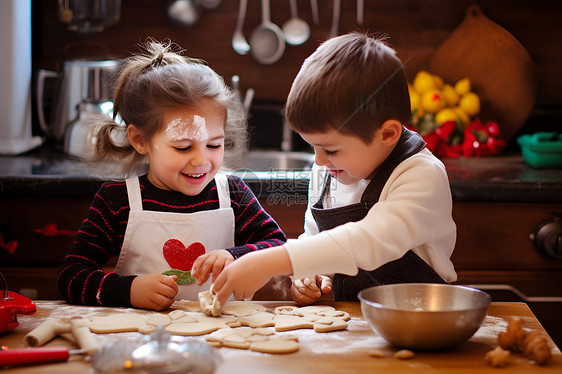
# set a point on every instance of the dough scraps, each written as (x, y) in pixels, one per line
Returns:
(209, 304)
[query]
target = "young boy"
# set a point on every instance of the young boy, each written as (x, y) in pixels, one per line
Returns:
(379, 202)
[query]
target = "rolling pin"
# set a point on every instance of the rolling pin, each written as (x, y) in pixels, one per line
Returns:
(46, 331)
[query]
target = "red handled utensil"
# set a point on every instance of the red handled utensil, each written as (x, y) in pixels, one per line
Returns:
(30, 356)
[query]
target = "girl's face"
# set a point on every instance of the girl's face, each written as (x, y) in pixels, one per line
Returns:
(346, 156)
(188, 152)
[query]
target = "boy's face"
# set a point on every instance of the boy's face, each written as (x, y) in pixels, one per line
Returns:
(347, 156)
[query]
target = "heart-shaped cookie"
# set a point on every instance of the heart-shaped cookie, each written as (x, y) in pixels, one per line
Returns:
(179, 256)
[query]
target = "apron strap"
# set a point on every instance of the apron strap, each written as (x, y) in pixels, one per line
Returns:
(133, 191)
(223, 191)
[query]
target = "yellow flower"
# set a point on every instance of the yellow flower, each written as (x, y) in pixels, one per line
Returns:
(463, 86)
(470, 103)
(423, 81)
(432, 101)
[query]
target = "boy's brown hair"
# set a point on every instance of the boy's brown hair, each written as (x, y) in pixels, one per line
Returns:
(352, 83)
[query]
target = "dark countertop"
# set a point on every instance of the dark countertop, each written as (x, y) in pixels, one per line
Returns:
(49, 172)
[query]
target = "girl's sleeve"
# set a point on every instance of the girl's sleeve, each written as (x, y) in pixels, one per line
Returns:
(81, 276)
(254, 229)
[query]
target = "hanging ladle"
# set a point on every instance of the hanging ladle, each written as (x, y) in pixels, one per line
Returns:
(239, 43)
(267, 41)
(296, 29)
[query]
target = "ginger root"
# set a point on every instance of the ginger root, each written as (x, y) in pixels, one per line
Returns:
(497, 357)
(532, 344)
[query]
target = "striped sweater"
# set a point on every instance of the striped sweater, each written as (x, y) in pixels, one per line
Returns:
(81, 279)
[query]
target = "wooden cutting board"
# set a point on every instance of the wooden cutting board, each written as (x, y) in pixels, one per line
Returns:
(499, 67)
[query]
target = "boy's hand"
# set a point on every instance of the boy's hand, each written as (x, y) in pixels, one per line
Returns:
(251, 272)
(306, 291)
(212, 262)
(154, 291)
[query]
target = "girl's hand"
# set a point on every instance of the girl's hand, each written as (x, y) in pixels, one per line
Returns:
(154, 291)
(212, 262)
(306, 291)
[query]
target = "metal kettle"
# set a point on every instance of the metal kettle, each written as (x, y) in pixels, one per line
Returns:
(80, 139)
(80, 80)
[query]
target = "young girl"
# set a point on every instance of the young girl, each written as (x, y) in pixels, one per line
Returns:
(179, 116)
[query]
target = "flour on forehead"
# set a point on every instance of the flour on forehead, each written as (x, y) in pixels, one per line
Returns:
(189, 127)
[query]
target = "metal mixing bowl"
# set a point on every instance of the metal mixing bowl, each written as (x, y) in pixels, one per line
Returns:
(424, 316)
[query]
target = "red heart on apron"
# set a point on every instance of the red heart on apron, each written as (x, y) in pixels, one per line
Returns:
(181, 257)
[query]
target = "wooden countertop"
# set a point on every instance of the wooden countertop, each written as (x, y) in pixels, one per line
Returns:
(336, 352)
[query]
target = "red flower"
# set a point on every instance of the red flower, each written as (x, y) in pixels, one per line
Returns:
(446, 130)
(451, 151)
(495, 145)
(431, 140)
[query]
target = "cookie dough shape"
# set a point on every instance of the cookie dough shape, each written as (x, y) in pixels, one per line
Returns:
(242, 308)
(288, 310)
(195, 328)
(335, 313)
(117, 322)
(158, 319)
(275, 345)
(260, 319)
(287, 322)
(328, 324)
(315, 309)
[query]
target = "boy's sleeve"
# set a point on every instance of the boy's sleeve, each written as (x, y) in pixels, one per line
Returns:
(255, 229)
(81, 277)
(414, 213)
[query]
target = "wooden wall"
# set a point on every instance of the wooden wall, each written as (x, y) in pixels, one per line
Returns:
(414, 27)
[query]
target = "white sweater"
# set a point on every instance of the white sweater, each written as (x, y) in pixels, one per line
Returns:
(413, 212)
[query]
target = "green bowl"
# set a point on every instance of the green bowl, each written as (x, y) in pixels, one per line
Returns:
(542, 149)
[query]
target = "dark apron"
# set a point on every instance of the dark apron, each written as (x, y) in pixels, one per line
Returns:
(410, 268)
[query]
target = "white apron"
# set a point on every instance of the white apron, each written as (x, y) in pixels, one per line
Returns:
(147, 231)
